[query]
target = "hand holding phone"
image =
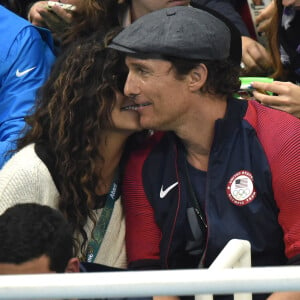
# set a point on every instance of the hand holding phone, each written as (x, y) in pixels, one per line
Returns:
(285, 96)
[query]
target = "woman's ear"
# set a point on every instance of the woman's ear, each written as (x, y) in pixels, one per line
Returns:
(197, 77)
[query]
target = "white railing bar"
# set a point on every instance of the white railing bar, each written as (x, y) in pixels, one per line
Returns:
(148, 283)
(236, 254)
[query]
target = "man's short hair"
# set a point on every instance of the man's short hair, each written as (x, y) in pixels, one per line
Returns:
(222, 76)
(29, 230)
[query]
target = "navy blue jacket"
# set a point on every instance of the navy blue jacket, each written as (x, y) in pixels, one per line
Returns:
(256, 151)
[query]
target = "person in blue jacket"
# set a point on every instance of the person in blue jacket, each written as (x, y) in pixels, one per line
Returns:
(26, 57)
(222, 169)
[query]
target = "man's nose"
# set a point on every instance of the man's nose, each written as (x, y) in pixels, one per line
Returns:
(131, 87)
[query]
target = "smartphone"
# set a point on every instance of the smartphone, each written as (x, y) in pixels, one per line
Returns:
(246, 90)
(65, 6)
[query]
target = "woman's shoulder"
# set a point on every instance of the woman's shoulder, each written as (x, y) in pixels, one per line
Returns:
(25, 178)
(25, 160)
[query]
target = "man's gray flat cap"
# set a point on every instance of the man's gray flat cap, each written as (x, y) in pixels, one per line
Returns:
(180, 31)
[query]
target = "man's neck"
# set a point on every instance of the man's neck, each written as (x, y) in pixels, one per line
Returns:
(198, 133)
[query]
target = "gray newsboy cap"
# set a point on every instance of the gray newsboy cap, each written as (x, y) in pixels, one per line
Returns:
(180, 31)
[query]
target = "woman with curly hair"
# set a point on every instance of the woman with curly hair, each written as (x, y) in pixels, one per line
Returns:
(70, 156)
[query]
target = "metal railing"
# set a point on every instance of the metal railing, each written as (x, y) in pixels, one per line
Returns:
(149, 283)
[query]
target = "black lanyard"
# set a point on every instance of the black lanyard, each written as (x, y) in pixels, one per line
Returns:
(198, 211)
(194, 200)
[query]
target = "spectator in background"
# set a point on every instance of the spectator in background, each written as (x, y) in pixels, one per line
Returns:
(263, 20)
(284, 38)
(255, 58)
(26, 56)
(69, 158)
(131, 10)
(68, 26)
(19, 7)
(283, 20)
(35, 239)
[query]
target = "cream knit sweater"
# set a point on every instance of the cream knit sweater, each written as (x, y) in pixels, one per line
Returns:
(25, 178)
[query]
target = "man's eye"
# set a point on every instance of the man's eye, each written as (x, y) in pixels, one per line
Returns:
(141, 71)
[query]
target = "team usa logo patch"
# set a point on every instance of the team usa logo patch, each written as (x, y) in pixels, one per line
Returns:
(240, 189)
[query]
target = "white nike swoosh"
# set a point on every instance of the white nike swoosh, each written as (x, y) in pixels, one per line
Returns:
(20, 74)
(163, 192)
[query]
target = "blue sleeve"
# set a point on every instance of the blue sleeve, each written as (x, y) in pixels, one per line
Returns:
(226, 8)
(22, 72)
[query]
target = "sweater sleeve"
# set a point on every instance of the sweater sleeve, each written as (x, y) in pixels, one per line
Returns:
(24, 179)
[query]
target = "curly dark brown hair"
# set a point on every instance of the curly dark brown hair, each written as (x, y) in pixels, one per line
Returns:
(91, 16)
(73, 107)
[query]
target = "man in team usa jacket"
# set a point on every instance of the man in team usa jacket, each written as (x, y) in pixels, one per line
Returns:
(219, 168)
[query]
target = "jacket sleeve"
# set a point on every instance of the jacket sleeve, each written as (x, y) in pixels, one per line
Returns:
(286, 185)
(279, 134)
(23, 71)
(142, 233)
(226, 8)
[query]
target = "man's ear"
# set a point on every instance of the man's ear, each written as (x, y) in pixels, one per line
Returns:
(197, 77)
(73, 265)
